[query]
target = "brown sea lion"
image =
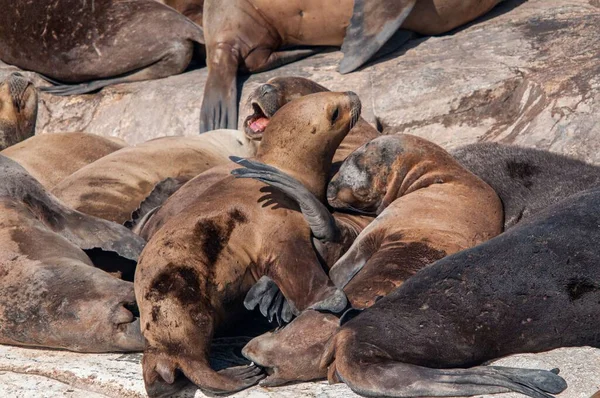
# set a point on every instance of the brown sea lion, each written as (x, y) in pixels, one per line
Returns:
(50, 158)
(427, 206)
(88, 45)
(51, 295)
(534, 288)
(278, 91)
(18, 110)
(216, 242)
(127, 184)
(252, 35)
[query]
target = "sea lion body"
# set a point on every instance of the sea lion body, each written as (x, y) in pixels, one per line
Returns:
(250, 35)
(201, 261)
(50, 158)
(519, 292)
(18, 110)
(527, 180)
(51, 295)
(127, 184)
(427, 206)
(97, 43)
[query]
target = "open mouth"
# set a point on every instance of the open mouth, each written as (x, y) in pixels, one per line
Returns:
(255, 124)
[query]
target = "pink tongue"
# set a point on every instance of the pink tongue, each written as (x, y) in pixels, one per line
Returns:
(259, 124)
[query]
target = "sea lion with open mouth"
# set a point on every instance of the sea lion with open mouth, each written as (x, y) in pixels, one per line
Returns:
(18, 110)
(51, 294)
(214, 244)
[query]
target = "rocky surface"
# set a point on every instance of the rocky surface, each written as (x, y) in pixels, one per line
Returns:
(528, 73)
(40, 373)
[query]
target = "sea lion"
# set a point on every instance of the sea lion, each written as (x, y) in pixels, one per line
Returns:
(427, 205)
(127, 184)
(51, 295)
(267, 98)
(102, 42)
(18, 110)
(215, 244)
(527, 180)
(50, 158)
(253, 35)
(521, 291)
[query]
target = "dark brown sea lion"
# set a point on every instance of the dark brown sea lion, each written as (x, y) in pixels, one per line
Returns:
(214, 243)
(278, 91)
(255, 35)
(92, 44)
(127, 184)
(534, 288)
(50, 158)
(51, 295)
(18, 110)
(428, 206)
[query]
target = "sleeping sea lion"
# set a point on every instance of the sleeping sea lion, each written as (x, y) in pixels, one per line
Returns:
(255, 35)
(527, 180)
(215, 243)
(51, 295)
(427, 206)
(534, 288)
(127, 184)
(278, 91)
(101, 42)
(18, 110)
(50, 158)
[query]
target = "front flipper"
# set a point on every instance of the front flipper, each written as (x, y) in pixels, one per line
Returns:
(322, 223)
(219, 105)
(373, 23)
(259, 61)
(368, 371)
(266, 295)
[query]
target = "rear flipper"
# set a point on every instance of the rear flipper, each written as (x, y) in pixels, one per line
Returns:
(380, 376)
(373, 23)
(322, 223)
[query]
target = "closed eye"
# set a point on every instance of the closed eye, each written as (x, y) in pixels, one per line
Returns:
(335, 115)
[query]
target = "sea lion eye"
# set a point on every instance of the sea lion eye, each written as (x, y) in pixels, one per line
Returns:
(335, 115)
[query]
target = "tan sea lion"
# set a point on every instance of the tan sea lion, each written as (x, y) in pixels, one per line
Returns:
(216, 242)
(125, 185)
(18, 110)
(428, 206)
(253, 35)
(267, 98)
(101, 42)
(51, 295)
(50, 158)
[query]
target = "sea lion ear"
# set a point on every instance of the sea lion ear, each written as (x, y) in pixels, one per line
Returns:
(373, 23)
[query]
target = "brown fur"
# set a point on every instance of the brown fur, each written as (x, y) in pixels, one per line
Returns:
(213, 244)
(427, 206)
(115, 186)
(18, 110)
(50, 158)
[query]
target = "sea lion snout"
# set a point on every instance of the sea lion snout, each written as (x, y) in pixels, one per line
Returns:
(18, 110)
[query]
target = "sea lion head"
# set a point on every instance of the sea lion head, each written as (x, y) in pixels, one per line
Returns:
(364, 177)
(18, 110)
(267, 98)
(293, 353)
(304, 134)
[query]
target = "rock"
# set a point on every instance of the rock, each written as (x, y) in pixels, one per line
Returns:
(527, 73)
(31, 372)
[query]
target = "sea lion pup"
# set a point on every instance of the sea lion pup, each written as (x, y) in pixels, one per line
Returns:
(50, 293)
(126, 185)
(215, 244)
(278, 91)
(527, 180)
(50, 158)
(18, 110)
(102, 42)
(253, 35)
(522, 291)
